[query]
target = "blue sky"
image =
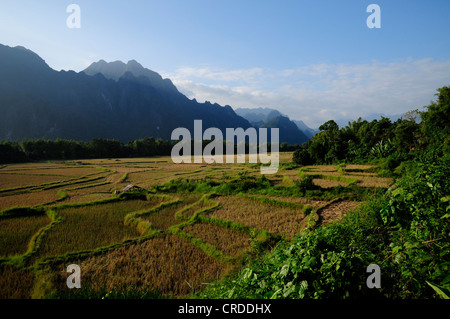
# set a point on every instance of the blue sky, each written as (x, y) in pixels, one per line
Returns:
(312, 60)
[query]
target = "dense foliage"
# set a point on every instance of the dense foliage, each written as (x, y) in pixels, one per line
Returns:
(405, 231)
(354, 142)
(360, 140)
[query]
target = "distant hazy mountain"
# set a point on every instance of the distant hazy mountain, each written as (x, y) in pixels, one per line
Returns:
(258, 116)
(107, 100)
(305, 128)
(290, 132)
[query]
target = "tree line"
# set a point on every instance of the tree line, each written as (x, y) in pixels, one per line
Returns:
(396, 141)
(61, 149)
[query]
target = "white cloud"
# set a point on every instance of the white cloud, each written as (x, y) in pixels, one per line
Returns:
(317, 93)
(246, 75)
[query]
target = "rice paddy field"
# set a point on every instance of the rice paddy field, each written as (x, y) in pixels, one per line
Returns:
(174, 230)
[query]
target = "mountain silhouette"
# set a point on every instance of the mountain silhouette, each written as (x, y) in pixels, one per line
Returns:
(271, 118)
(107, 100)
(309, 132)
(117, 69)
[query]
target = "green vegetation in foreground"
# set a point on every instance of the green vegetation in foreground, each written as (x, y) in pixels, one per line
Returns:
(405, 231)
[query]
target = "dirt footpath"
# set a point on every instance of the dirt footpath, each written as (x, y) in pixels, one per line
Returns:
(335, 211)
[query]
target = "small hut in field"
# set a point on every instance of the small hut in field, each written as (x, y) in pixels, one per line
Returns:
(127, 188)
(130, 187)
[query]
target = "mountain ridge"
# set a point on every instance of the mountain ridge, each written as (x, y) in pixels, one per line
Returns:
(268, 117)
(113, 100)
(39, 102)
(117, 69)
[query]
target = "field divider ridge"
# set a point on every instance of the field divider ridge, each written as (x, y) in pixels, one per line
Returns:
(35, 241)
(50, 185)
(350, 180)
(256, 236)
(145, 227)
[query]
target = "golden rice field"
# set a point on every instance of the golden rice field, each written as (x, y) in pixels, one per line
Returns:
(281, 221)
(28, 199)
(230, 242)
(166, 263)
(90, 227)
(174, 242)
(23, 229)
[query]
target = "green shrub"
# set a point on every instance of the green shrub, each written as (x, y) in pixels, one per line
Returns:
(302, 157)
(305, 184)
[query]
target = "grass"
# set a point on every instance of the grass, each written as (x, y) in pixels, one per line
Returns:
(87, 186)
(328, 183)
(201, 205)
(230, 242)
(345, 174)
(16, 232)
(15, 283)
(275, 202)
(335, 211)
(166, 263)
(338, 178)
(166, 217)
(281, 221)
(57, 170)
(90, 227)
(50, 185)
(14, 181)
(28, 199)
(124, 177)
(97, 195)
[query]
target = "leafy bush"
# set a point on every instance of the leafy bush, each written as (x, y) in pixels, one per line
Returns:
(418, 208)
(305, 184)
(302, 157)
(381, 148)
